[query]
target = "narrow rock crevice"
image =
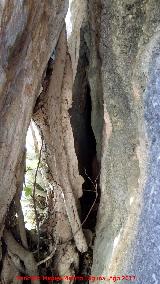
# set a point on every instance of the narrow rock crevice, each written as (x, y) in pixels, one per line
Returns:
(86, 150)
(84, 139)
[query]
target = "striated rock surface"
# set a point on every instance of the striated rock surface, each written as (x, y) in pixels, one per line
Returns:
(29, 33)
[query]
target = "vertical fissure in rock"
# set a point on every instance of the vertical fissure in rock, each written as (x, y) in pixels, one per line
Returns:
(84, 139)
(85, 148)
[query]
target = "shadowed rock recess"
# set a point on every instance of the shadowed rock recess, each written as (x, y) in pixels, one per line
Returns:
(93, 93)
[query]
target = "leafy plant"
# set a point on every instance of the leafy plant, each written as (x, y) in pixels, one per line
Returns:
(28, 191)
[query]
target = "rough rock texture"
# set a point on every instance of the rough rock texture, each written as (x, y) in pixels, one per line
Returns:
(29, 33)
(78, 16)
(123, 74)
(113, 68)
(83, 48)
(127, 227)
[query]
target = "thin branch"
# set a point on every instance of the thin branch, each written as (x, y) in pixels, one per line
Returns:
(49, 256)
(94, 183)
(34, 199)
(94, 202)
(95, 190)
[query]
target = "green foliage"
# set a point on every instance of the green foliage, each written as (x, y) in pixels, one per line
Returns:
(28, 191)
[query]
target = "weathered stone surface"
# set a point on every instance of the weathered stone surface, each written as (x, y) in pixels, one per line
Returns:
(29, 33)
(127, 231)
(78, 17)
(123, 73)
(94, 72)
(83, 48)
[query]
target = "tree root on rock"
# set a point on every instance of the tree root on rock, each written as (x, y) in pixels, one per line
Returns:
(24, 255)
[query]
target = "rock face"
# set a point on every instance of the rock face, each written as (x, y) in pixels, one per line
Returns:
(127, 239)
(29, 33)
(122, 38)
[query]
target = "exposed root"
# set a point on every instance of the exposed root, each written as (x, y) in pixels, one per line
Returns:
(17, 263)
(24, 255)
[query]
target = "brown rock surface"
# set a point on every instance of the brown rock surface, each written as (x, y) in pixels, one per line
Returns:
(29, 33)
